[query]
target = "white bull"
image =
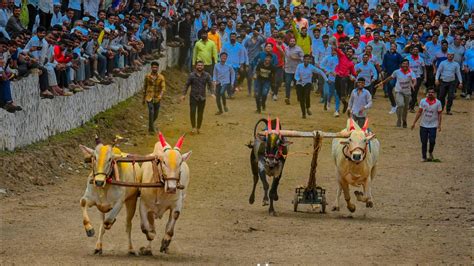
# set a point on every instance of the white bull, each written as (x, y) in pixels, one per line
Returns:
(173, 172)
(109, 198)
(355, 159)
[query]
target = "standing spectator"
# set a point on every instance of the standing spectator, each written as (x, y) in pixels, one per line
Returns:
(430, 112)
(237, 59)
(304, 78)
(46, 11)
(469, 70)
(445, 78)
(153, 88)
(359, 102)
(214, 36)
(206, 52)
(254, 47)
(293, 57)
(391, 62)
(186, 50)
(223, 78)
(366, 70)
(198, 80)
(406, 81)
(279, 50)
(264, 73)
(417, 66)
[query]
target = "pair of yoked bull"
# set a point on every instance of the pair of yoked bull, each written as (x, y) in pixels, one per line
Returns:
(170, 169)
(355, 156)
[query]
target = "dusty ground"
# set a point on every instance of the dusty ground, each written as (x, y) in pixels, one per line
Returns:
(423, 211)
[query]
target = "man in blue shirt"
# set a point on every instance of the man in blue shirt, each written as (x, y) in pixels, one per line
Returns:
(237, 58)
(223, 78)
(391, 62)
(304, 77)
(360, 102)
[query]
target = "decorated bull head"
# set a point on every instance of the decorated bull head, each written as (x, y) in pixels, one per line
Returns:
(171, 161)
(103, 162)
(275, 144)
(355, 146)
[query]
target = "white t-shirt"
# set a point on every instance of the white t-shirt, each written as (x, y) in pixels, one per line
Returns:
(429, 116)
(416, 65)
(404, 81)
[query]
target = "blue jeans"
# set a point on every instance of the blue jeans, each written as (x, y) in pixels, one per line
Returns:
(5, 92)
(220, 95)
(289, 77)
(329, 91)
(262, 88)
(425, 135)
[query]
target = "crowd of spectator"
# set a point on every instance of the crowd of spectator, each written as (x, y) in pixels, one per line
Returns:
(78, 43)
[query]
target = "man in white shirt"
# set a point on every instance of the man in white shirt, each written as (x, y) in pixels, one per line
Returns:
(430, 112)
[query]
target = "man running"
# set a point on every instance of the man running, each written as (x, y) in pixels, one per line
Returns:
(430, 112)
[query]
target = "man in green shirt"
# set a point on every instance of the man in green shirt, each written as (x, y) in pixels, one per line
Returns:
(205, 51)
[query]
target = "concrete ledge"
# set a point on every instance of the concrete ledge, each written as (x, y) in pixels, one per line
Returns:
(42, 118)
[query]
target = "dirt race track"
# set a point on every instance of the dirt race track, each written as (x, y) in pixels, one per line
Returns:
(422, 214)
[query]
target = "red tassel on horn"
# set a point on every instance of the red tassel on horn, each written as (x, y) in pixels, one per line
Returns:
(366, 125)
(351, 124)
(180, 142)
(162, 140)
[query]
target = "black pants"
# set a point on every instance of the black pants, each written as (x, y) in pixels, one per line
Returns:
(425, 135)
(343, 88)
(414, 93)
(31, 16)
(220, 95)
(430, 76)
(359, 120)
(447, 88)
(209, 69)
(470, 82)
(153, 110)
(61, 77)
(196, 105)
(304, 92)
(45, 19)
(43, 79)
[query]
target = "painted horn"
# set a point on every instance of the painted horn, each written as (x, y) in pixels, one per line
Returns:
(366, 125)
(180, 142)
(162, 140)
(351, 124)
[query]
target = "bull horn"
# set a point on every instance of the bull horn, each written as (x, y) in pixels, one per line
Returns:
(366, 125)
(179, 143)
(162, 140)
(351, 124)
(97, 140)
(277, 125)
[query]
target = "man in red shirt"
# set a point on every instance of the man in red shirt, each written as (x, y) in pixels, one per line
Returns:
(339, 33)
(279, 50)
(63, 56)
(345, 74)
(368, 36)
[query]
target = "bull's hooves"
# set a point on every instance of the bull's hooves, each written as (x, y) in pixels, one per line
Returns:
(358, 193)
(369, 204)
(251, 200)
(164, 250)
(273, 213)
(97, 251)
(335, 209)
(132, 253)
(265, 203)
(108, 225)
(90, 233)
(145, 252)
(352, 208)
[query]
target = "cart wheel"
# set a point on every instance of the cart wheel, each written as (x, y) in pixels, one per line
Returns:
(295, 203)
(323, 204)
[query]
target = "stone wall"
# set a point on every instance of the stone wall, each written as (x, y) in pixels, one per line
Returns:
(42, 118)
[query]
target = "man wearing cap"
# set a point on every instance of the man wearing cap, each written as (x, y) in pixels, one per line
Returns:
(445, 78)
